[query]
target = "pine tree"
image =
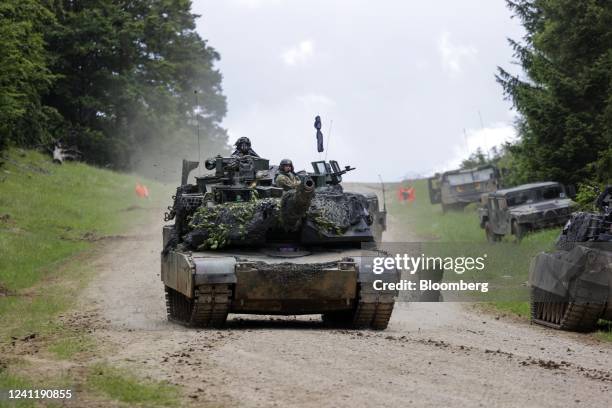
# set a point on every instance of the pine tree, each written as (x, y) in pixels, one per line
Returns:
(565, 100)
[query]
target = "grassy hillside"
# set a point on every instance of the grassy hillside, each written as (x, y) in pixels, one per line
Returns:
(461, 229)
(49, 212)
(53, 218)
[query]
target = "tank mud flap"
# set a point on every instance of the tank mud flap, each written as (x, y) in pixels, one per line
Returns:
(214, 270)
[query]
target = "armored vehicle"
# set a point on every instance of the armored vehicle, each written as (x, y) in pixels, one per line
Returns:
(457, 188)
(571, 288)
(240, 244)
(525, 208)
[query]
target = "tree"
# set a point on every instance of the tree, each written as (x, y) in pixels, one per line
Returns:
(565, 100)
(127, 75)
(475, 159)
(24, 73)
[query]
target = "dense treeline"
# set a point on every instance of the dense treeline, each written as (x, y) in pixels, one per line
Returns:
(565, 99)
(116, 78)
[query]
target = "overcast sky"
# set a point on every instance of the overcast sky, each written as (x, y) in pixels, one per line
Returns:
(400, 79)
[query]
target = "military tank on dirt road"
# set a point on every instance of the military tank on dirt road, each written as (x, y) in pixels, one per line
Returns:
(240, 244)
(571, 288)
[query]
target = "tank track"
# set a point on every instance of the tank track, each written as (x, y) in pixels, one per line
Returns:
(553, 311)
(208, 308)
(373, 309)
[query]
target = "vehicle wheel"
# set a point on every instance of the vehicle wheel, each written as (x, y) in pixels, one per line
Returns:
(519, 231)
(491, 236)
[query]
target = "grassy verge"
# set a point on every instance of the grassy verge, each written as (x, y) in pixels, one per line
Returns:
(122, 386)
(507, 259)
(52, 220)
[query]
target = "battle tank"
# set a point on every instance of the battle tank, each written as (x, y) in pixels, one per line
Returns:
(571, 288)
(239, 244)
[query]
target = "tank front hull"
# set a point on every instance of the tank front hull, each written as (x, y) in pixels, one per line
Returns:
(233, 284)
(285, 289)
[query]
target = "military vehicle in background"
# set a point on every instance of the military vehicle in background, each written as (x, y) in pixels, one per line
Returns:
(239, 244)
(457, 188)
(571, 289)
(519, 210)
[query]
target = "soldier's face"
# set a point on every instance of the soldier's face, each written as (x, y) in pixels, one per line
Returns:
(243, 147)
(287, 168)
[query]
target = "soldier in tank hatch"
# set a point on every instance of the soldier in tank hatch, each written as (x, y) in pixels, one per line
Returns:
(243, 148)
(286, 178)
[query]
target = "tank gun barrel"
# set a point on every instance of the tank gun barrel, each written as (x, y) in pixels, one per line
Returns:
(296, 202)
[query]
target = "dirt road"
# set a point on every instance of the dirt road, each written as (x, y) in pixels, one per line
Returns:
(431, 355)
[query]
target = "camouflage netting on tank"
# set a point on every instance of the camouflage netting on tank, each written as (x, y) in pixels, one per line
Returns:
(247, 223)
(244, 223)
(336, 212)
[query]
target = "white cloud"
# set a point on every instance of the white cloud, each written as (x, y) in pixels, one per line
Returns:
(453, 55)
(485, 139)
(299, 54)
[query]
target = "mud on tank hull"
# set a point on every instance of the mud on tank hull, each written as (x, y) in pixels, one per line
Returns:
(202, 288)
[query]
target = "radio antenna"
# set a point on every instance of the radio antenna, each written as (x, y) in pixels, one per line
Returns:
(382, 184)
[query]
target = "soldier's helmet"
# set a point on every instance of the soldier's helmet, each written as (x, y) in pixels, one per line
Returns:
(285, 162)
(243, 140)
(243, 145)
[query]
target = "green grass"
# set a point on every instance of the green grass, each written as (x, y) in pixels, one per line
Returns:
(605, 331)
(51, 216)
(67, 348)
(50, 212)
(52, 221)
(7, 382)
(14, 381)
(122, 386)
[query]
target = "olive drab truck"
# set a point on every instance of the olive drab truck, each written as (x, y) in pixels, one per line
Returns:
(519, 210)
(457, 188)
